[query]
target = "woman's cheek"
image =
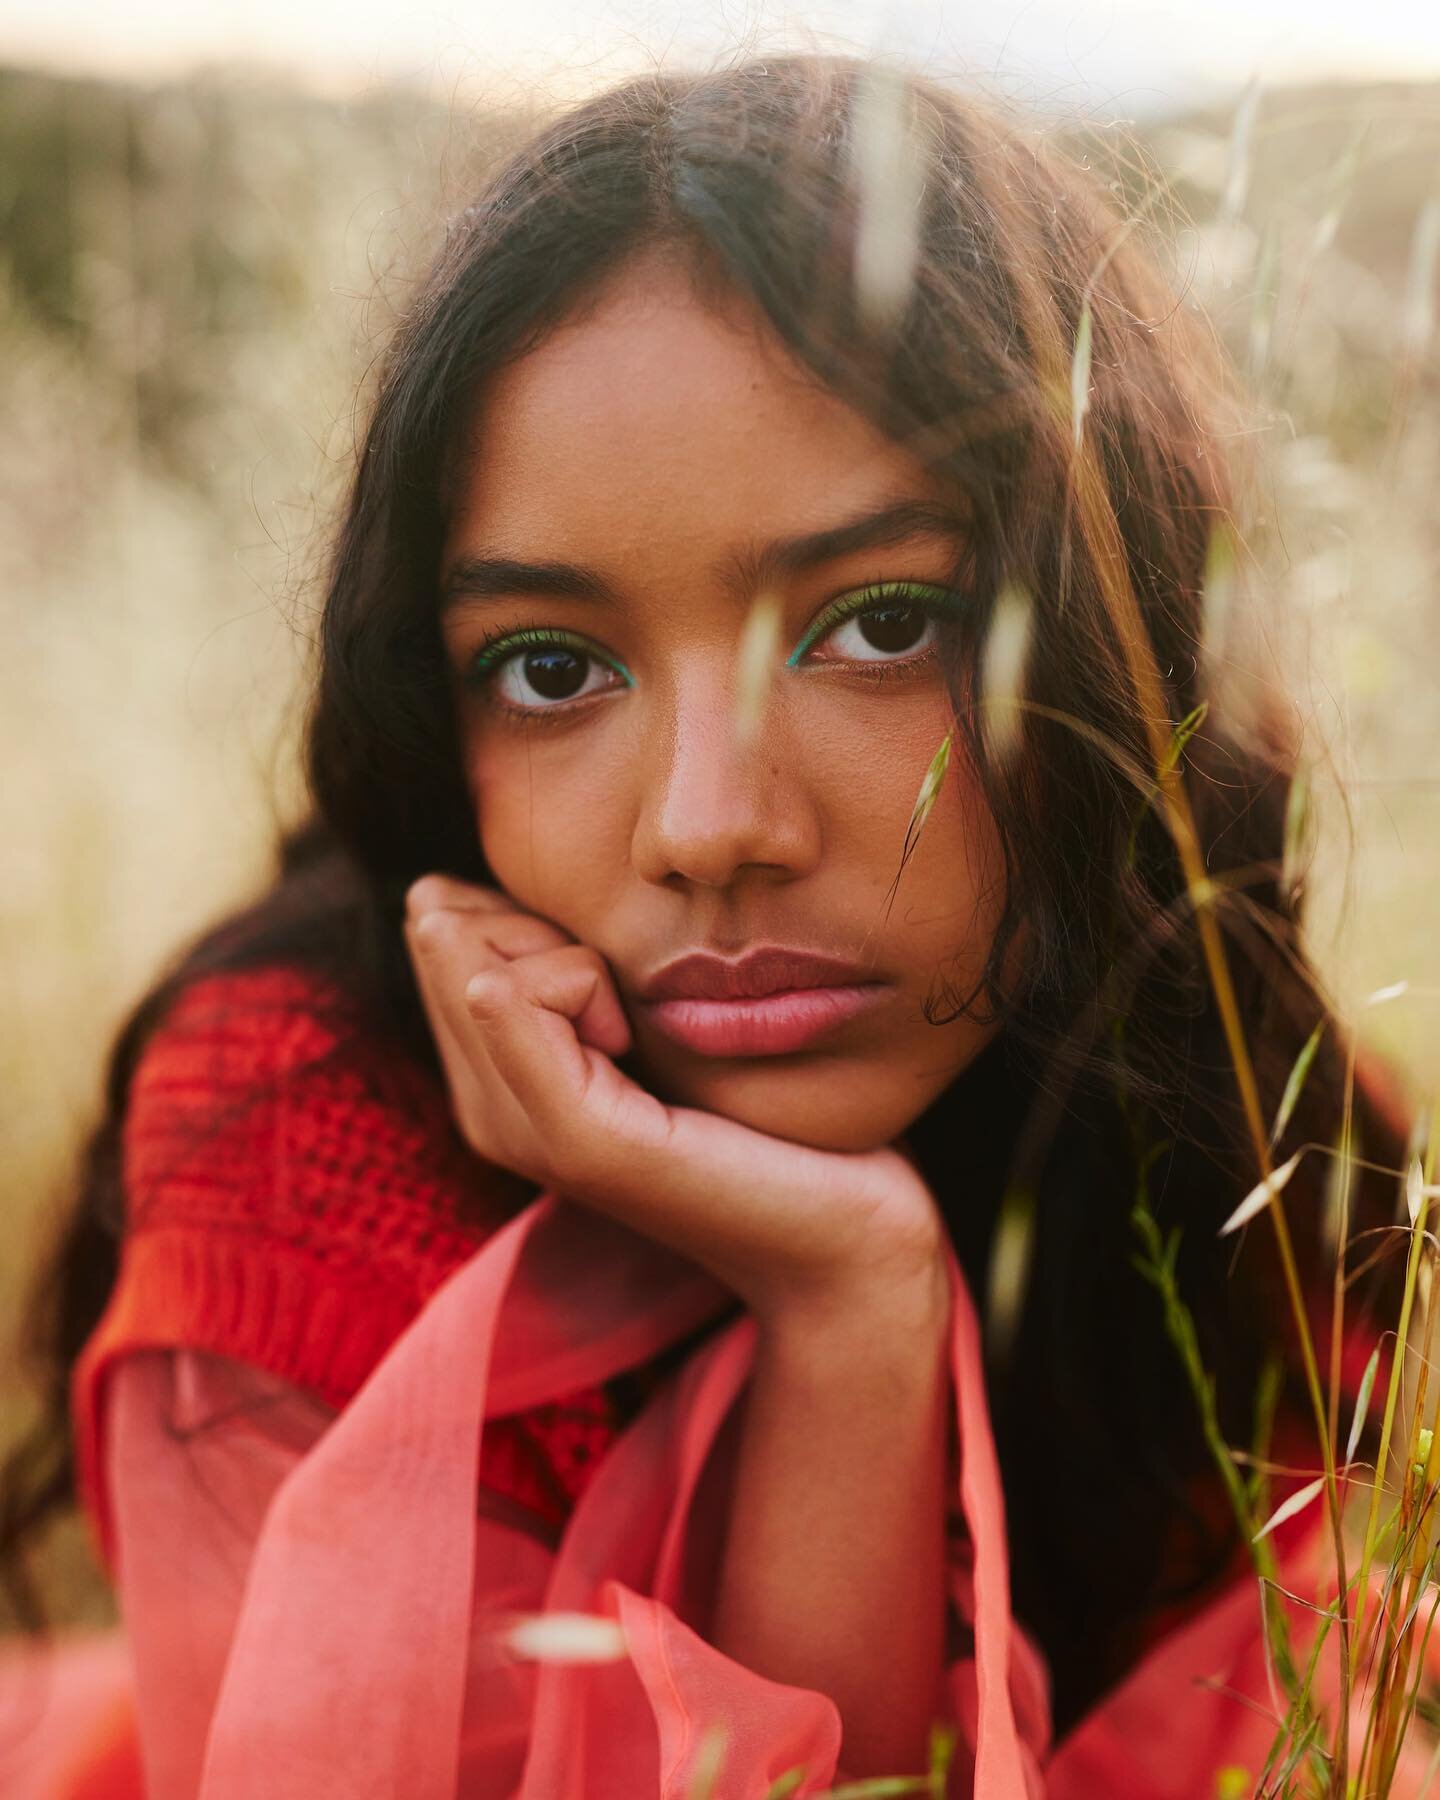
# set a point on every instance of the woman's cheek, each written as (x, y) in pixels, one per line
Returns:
(549, 831)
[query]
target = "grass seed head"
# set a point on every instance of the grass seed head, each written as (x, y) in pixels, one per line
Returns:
(709, 1762)
(565, 1637)
(755, 663)
(887, 166)
(1419, 320)
(1237, 180)
(1002, 669)
(1261, 1195)
(1080, 374)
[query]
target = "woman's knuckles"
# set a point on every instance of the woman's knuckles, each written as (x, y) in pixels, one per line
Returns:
(491, 995)
(486, 912)
(514, 935)
(561, 980)
(441, 893)
(434, 929)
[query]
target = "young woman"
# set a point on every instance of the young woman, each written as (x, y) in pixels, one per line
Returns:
(713, 959)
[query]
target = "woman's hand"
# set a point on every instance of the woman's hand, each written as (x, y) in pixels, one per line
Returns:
(528, 1023)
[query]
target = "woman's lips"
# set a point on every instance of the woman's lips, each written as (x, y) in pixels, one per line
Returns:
(765, 1026)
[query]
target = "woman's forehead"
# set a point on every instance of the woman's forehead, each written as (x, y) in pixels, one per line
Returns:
(652, 421)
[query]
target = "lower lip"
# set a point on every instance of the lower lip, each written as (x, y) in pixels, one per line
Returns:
(767, 1026)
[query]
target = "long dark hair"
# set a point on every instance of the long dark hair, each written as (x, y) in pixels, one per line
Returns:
(751, 174)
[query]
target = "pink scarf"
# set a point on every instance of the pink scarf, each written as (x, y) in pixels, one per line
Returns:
(348, 1666)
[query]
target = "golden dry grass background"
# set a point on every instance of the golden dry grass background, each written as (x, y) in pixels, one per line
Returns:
(194, 280)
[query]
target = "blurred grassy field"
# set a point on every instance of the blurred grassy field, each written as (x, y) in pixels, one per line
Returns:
(194, 278)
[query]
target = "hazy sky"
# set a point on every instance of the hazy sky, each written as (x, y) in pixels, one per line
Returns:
(1135, 55)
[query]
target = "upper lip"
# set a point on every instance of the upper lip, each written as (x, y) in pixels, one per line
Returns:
(768, 969)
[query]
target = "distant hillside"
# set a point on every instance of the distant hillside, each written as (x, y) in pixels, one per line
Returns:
(149, 226)
(160, 231)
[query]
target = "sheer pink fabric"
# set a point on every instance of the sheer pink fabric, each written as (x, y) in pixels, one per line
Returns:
(198, 1448)
(310, 1597)
(349, 1662)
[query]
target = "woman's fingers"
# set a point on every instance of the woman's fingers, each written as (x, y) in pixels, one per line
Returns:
(433, 891)
(471, 1081)
(586, 1121)
(520, 1067)
(485, 917)
(456, 944)
(572, 985)
(477, 928)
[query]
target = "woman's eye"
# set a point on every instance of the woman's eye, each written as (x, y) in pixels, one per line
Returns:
(530, 671)
(541, 676)
(883, 632)
(890, 622)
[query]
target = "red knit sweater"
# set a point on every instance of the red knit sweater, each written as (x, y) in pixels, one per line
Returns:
(294, 1193)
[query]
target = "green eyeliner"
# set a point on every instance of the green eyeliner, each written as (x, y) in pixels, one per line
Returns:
(533, 639)
(877, 595)
(920, 593)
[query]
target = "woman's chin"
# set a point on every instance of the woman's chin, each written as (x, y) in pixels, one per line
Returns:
(826, 1103)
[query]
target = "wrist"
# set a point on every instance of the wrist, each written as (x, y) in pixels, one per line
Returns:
(868, 1312)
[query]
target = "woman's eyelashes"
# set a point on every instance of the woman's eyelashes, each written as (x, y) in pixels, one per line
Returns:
(887, 621)
(539, 669)
(543, 669)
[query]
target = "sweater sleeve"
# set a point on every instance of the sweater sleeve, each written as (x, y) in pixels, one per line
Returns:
(294, 1192)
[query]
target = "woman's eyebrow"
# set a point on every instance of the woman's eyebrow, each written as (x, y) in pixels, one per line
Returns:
(478, 577)
(485, 577)
(749, 570)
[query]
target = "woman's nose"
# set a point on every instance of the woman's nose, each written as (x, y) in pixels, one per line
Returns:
(713, 806)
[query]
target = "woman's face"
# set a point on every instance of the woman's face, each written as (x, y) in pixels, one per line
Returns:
(629, 488)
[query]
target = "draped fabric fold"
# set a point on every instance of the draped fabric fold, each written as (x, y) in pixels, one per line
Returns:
(349, 1618)
(347, 1666)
